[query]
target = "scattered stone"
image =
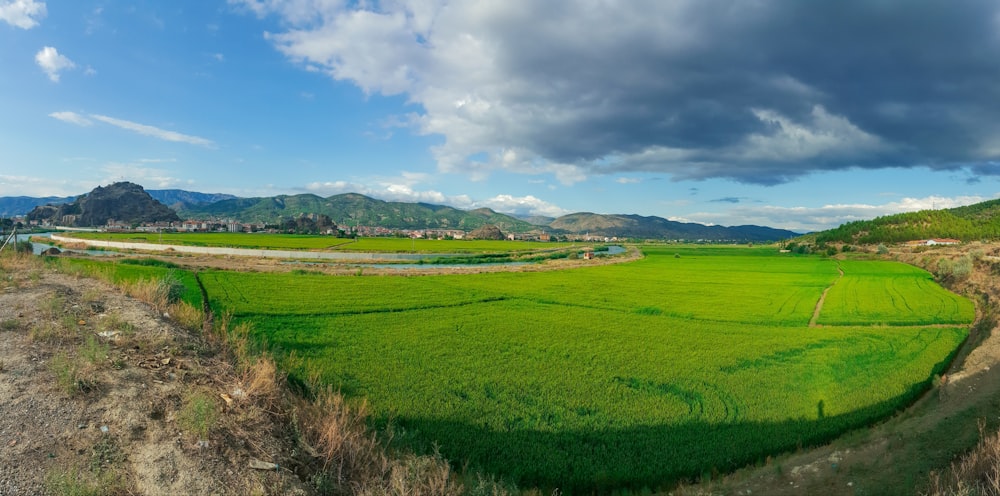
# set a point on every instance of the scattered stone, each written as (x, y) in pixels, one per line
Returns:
(262, 465)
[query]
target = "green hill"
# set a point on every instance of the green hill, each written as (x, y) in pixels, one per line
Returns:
(653, 227)
(353, 209)
(973, 222)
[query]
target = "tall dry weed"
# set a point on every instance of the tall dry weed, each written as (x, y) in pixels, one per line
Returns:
(352, 458)
(337, 434)
(976, 473)
(187, 315)
(148, 291)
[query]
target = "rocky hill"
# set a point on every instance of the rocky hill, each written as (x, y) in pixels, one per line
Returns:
(486, 232)
(125, 202)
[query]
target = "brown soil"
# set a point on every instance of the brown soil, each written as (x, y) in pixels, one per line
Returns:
(115, 426)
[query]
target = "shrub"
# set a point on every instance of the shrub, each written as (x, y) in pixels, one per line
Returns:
(67, 373)
(94, 352)
(24, 247)
(954, 270)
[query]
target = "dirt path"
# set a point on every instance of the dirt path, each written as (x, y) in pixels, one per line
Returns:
(822, 298)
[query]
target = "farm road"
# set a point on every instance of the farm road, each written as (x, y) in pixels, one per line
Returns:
(822, 298)
(245, 252)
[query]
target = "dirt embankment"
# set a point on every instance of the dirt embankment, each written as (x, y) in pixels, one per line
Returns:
(101, 394)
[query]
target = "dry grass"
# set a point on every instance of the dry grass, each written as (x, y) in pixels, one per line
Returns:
(975, 474)
(52, 333)
(263, 383)
(149, 291)
(336, 434)
(187, 315)
(340, 453)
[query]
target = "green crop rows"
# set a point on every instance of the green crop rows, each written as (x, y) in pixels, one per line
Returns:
(891, 293)
(628, 375)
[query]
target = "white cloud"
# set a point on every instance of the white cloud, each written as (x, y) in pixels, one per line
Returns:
(522, 205)
(80, 120)
(628, 180)
(11, 185)
(24, 14)
(149, 177)
(796, 141)
(153, 131)
(805, 219)
(402, 190)
(72, 118)
(52, 62)
(450, 58)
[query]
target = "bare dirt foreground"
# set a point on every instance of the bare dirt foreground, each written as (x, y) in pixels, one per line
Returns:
(100, 394)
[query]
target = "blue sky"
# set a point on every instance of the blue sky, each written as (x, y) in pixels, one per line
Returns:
(800, 115)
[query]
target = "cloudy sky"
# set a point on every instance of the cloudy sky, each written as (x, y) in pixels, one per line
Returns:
(785, 113)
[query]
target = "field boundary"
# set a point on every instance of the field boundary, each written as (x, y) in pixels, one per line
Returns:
(822, 298)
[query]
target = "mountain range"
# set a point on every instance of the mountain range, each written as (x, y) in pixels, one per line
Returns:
(352, 209)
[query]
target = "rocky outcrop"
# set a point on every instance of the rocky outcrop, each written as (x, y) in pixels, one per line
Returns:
(124, 202)
(488, 231)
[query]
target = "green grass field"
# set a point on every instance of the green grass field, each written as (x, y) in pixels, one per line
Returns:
(622, 376)
(890, 293)
(302, 242)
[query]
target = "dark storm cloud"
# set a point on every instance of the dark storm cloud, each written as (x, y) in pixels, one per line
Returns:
(919, 78)
(757, 91)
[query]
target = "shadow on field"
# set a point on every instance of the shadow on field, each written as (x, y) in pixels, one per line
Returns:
(641, 457)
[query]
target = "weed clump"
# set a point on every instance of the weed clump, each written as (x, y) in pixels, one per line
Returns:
(199, 414)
